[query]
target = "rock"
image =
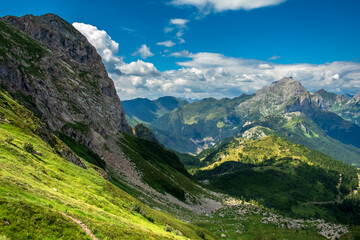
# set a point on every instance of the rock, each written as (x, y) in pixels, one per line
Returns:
(59, 75)
(141, 131)
(37, 153)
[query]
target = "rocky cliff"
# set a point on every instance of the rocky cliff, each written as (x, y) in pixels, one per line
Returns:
(52, 69)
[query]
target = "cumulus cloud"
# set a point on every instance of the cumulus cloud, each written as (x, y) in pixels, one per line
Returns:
(215, 75)
(105, 46)
(168, 43)
(207, 74)
(138, 68)
(143, 51)
(179, 22)
(208, 6)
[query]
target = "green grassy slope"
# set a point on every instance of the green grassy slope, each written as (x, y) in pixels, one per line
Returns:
(277, 173)
(299, 129)
(36, 188)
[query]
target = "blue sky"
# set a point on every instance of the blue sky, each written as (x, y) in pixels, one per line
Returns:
(219, 48)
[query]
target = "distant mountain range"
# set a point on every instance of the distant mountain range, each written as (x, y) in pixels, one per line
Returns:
(192, 127)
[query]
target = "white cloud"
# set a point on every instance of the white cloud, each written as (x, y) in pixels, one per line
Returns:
(215, 75)
(143, 51)
(179, 22)
(274, 57)
(168, 43)
(177, 25)
(168, 29)
(207, 6)
(212, 74)
(138, 68)
(105, 46)
(183, 53)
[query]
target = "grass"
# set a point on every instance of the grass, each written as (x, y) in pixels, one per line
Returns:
(160, 168)
(37, 188)
(277, 173)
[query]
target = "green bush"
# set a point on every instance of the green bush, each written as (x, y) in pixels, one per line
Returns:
(28, 147)
(9, 140)
(200, 234)
(136, 208)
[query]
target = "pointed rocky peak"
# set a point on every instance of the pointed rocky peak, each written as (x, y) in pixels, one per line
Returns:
(285, 86)
(325, 94)
(357, 96)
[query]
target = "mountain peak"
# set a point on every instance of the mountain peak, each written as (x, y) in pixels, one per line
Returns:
(285, 87)
(285, 80)
(356, 98)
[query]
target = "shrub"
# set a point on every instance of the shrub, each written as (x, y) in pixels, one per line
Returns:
(28, 147)
(169, 228)
(9, 140)
(200, 234)
(136, 208)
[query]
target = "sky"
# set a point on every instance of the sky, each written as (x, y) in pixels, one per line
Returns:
(215, 48)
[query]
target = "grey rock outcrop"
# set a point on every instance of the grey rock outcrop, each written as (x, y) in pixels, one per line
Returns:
(51, 68)
(327, 100)
(271, 99)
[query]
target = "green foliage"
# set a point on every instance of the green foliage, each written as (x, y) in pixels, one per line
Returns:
(200, 233)
(157, 165)
(28, 147)
(35, 190)
(277, 173)
(82, 151)
(301, 130)
(22, 220)
(77, 126)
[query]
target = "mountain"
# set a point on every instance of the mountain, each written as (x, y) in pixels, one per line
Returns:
(199, 125)
(327, 100)
(351, 110)
(72, 168)
(276, 172)
(143, 110)
(52, 69)
(298, 128)
(335, 126)
(271, 100)
(43, 195)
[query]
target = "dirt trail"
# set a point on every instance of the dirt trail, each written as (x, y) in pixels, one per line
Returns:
(82, 225)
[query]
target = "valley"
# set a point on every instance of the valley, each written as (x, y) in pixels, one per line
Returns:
(76, 162)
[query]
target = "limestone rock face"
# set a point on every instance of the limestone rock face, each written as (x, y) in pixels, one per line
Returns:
(271, 99)
(51, 68)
